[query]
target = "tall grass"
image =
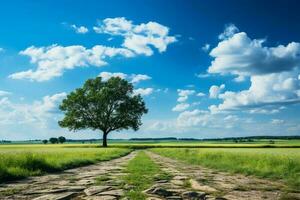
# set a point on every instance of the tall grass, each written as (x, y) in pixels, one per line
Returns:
(19, 163)
(283, 164)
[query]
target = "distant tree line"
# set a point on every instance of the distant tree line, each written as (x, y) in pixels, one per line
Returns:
(54, 140)
(5, 141)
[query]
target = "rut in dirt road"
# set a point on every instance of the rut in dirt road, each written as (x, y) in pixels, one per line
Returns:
(77, 183)
(195, 182)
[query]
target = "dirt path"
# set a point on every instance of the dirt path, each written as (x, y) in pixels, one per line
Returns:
(211, 184)
(78, 183)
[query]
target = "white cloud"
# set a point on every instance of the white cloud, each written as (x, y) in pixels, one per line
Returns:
(231, 118)
(273, 72)
(53, 60)
(1, 49)
(143, 91)
(277, 121)
(184, 94)
(239, 55)
(229, 31)
(203, 75)
(4, 93)
(138, 38)
(38, 113)
(239, 79)
(264, 111)
(205, 47)
(107, 75)
(181, 107)
(136, 78)
(193, 118)
(265, 90)
(215, 91)
(201, 94)
(80, 29)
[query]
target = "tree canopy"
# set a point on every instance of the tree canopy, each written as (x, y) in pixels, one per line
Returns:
(103, 105)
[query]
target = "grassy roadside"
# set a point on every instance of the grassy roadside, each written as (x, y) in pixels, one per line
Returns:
(276, 164)
(20, 163)
(142, 172)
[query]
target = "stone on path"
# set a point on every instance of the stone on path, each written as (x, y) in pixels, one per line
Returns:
(107, 197)
(192, 195)
(177, 182)
(95, 190)
(117, 193)
(154, 198)
(60, 196)
(196, 186)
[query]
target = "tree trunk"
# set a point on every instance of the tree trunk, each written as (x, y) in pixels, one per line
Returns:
(104, 140)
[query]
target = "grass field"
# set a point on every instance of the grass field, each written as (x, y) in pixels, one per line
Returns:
(28, 160)
(277, 164)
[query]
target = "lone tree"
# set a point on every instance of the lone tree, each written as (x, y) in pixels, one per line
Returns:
(103, 105)
(61, 139)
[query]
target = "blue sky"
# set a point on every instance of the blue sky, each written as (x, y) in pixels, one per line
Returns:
(205, 68)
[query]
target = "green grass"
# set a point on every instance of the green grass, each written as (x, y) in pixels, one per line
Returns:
(21, 162)
(142, 172)
(275, 164)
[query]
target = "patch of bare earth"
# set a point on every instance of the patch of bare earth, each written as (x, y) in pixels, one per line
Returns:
(78, 183)
(195, 182)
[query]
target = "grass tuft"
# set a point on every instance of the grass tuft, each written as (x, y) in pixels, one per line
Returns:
(141, 175)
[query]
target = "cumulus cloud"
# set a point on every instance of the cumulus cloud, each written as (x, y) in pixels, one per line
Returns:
(38, 113)
(273, 72)
(215, 90)
(143, 91)
(53, 60)
(193, 118)
(266, 90)
(184, 94)
(229, 31)
(4, 93)
(138, 38)
(181, 107)
(79, 29)
(201, 94)
(107, 75)
(136, 78)
(242, 56)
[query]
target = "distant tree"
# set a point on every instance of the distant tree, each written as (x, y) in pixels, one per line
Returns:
(45, 141)
(103, 105)
(61, 139)
(53, 140)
